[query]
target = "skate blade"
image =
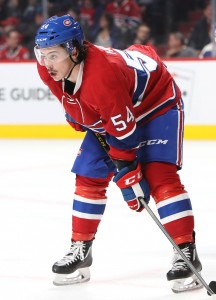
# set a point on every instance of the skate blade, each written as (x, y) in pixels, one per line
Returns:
(186, 284)
(79, 276)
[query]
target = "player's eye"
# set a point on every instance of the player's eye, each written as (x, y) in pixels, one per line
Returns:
(52, 57)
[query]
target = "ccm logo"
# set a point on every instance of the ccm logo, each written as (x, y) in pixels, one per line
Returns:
(153, 142)
(133, 179)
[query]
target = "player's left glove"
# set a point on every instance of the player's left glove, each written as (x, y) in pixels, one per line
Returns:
(132, 184)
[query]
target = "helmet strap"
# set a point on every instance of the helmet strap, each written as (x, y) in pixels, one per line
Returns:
(75, 63)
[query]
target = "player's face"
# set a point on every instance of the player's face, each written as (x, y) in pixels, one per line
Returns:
(56, 60)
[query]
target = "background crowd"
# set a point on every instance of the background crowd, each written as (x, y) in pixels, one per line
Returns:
(174, 28)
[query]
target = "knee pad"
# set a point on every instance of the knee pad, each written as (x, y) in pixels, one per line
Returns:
(94, 188)
(160, 175)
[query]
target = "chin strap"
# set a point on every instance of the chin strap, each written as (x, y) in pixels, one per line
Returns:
(75, 63)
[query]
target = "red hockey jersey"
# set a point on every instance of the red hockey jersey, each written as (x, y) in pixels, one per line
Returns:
(116, 91)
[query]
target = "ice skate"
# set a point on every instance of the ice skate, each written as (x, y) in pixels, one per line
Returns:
(180, 276)
(74, 266)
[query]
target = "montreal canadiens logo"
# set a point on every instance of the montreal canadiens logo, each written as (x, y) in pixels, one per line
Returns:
(67, 22)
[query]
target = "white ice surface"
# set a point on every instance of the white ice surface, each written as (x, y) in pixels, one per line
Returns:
(131, 255)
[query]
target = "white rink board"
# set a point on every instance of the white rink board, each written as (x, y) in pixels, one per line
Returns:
(24, 99)
(196, 80)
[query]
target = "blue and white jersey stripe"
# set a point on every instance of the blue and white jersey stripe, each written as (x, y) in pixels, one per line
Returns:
(149, 113)
(180, 133)
(175, 208)
(141, 81)
(88, 208)
(141, 78)
(96, 127)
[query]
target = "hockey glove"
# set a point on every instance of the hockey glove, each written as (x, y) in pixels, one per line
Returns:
(132, 184)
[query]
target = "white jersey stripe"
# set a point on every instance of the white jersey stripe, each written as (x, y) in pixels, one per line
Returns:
(176, 216)
(135, 79)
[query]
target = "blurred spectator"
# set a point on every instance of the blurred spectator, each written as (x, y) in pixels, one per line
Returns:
(10, 23)
(26, 16)
(87, 16)
(28, 31)
(155, 13)
(208, 51)
(30, 10)
(177, 47)
(3, 9)
(146, 7)
(107, 34)
(14, 9)
(87, 12)
(14, 51)
(201, 34)
(57, 7)
(2, 40)
(126, 13)
(5, 26)
(74, 13)
(143, 35)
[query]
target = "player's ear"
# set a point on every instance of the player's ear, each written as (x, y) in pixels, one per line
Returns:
(75, 54)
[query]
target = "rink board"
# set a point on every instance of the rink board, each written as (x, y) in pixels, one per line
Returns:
(29, 110)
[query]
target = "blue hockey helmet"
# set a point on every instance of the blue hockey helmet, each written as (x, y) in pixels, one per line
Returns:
(59, 30)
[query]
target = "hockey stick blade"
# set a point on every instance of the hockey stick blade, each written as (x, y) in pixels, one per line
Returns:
(211, 288)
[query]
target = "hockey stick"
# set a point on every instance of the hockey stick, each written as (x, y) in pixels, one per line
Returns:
(211, 288)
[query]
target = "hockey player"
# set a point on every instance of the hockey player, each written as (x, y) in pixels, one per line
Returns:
(130, 99)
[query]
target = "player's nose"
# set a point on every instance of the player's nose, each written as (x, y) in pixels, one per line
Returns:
(48, 64)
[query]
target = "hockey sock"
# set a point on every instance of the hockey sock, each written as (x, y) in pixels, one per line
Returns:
(88, 206)
(172, 201)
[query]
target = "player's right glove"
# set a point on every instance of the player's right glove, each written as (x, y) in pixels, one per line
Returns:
(132, 184)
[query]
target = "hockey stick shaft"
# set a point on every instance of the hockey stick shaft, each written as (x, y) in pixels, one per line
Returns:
(189, 264)
(102, 141)
(105, 146)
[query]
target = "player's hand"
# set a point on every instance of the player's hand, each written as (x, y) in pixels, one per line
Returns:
(132, 184)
